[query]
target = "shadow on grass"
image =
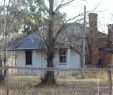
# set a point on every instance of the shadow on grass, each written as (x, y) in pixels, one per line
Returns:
(45, 85)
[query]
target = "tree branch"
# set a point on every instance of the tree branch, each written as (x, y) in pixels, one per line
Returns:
(62, 5)
(58, 32)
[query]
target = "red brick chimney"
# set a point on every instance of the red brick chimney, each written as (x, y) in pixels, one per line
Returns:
(110, 36)
(93, 22)
(93, 38)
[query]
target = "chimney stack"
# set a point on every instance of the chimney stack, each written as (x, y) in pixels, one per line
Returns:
(110, 36)
(93, 38)
(93, 22)
(93, 29)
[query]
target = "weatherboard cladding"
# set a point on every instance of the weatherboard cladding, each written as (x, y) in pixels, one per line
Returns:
(71, 34)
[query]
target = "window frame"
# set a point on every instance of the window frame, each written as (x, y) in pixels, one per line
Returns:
(28, 57)
(63, 54)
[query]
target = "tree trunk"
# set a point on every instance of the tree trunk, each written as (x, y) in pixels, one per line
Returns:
(49, 77)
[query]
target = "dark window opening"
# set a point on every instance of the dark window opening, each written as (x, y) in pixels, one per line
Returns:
(62, 56)
(29, 57)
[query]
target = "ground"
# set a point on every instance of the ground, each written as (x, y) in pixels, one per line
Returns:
(66, 85)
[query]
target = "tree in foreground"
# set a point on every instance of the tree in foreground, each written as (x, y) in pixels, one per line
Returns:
(55, 25)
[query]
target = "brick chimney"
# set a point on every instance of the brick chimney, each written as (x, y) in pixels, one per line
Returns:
(93, 38)
(93, 22)
(110, 36)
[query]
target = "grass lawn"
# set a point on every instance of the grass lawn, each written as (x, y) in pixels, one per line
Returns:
(66, 85)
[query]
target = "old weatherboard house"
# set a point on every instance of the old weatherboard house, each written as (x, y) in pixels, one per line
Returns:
(28, 51)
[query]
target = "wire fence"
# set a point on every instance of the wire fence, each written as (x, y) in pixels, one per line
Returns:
(27, 81)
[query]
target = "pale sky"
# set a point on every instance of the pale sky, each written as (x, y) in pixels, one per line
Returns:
(104, 10)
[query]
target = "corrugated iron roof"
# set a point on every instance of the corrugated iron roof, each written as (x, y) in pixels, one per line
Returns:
(34, 40)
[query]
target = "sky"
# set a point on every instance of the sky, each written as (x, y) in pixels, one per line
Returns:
(104, 9)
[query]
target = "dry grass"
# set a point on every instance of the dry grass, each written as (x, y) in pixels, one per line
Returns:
(66, 85)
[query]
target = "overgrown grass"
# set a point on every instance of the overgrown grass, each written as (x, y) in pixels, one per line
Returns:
(79, 84)
(88, 75)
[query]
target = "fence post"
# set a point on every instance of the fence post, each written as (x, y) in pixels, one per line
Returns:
(110, 79)
(6, 80)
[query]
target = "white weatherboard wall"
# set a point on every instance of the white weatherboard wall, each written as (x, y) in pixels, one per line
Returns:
(20, 61)
(73, 60)
(39, 60)
(11, 61)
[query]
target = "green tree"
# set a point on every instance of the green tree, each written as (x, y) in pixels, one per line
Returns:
(18, 17)
(25, 15)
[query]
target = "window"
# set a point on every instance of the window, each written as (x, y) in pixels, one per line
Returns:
(62, 56)
(28, 57)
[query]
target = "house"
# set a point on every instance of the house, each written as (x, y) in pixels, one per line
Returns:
(28, 51)
(106, 52)
(95, 40)
(101, 44)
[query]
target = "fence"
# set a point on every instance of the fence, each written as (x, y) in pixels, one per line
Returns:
(87, 81)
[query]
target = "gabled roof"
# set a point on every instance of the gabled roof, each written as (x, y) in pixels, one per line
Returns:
(71, 34)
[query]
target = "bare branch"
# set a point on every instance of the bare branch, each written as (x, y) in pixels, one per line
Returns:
(73, 17)
(58, 32)
(62, 5)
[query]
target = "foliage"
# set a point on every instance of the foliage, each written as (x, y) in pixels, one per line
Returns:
(27, 13)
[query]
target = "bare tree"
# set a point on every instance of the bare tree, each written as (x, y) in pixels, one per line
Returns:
(55, 36)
